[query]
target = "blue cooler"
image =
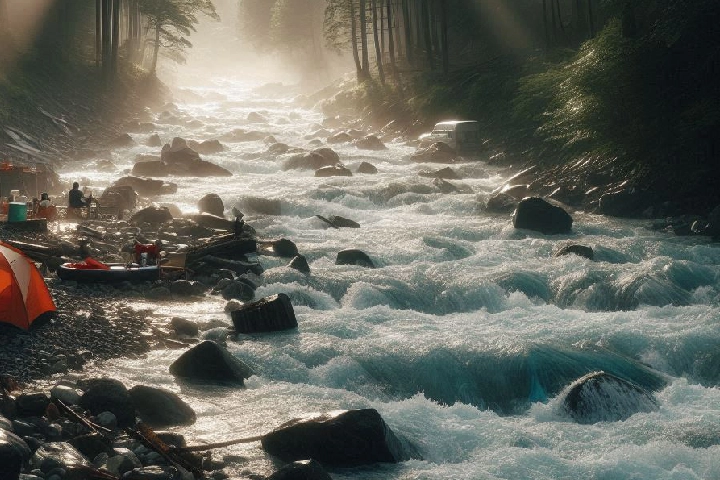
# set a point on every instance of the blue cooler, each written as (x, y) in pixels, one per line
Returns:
(17, 212)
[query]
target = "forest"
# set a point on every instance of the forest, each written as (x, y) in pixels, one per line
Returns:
(619, 91)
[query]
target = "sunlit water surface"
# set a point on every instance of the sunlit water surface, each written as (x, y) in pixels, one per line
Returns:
(467, 331)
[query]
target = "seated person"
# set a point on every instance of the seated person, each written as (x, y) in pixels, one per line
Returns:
(75, 197)
(45, 208)
(147, 253)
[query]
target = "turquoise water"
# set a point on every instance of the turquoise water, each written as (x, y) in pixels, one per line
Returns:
(465, 335)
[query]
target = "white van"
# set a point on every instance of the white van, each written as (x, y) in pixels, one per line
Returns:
(461, 135)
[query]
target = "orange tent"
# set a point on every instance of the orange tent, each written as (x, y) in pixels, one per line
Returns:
(23, 293)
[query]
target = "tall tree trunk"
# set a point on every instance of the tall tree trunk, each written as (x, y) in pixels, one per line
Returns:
(391, 41)
(553, 23)
(591, 20)
(560, 20)
(156, 49)
(115, 35)
(407, 23)
(106, 38)
(98, 32)
(545, 25)
(378, 53)
(382, 27)
(353, 40)
(425, 16)
(444, 37)
(363, 39)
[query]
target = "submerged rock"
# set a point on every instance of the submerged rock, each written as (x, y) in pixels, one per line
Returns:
(370, 142)
(534, 213)
(300, 264)
(366, 168)
(602, 397)
(342, 438)
(438, 152)
(354, 257)
(301, 470)
(579, 250)
(333, 171)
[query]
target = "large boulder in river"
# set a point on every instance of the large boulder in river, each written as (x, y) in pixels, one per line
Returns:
(14, 452)
(346, 439)
(333, 171)
(269, 314)
(501, 203)
(601, 397)
(109, 395)
(154, 140)
(264, 206)
(209, 362)
(212, 204)
(367, 168)
(152, 215)
(207, 147)
(160, 408)
(147, 186)
(438, 152)
(301, 470)
(318, 158)
(182, 160)
(151, 168)
(341, 137)
(370, 142)
(353, 256)
(534, 213)
(178, 152)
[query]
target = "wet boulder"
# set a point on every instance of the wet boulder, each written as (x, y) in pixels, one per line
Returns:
(154, 141)
(301, 470)
(32, 404)
(579, 250)
(438, 152)
(178, 152)
(370, 142)
(602, 397)
(345, 438)
(353, 256)
(122, 140)
(238, 290)
(264, 206)
(158, 407)
(629, 203)
(501, 203)
(278, 148)
(215, 222)
(330, 155)
(255, 117)
(212, 203)
(299, 263)
(366, 168)
(109, 395)
(446, 173)
(534, 213)
(342, 222)
(443, 186)
(183, 326)
(150, 168)
(307, 161)
(207, 147)
(152, 216)
(333, 171)
(57, 455)
(123, 197)
(146, 186)
(284, 248)
(269, 314)
(209, 362)
(91, 445)
(342, 137)
(14, 452)
(516, 191)
(269, 140)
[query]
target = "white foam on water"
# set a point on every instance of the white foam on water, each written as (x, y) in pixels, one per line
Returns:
(466, 332)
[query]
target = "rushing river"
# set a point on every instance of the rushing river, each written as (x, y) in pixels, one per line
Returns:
(465, 335)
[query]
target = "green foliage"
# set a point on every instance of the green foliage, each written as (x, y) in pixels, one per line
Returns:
(175, 20)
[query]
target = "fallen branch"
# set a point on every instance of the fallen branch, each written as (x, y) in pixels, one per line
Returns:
(211, 446)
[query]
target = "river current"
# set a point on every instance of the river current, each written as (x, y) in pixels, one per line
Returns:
(467, 331)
